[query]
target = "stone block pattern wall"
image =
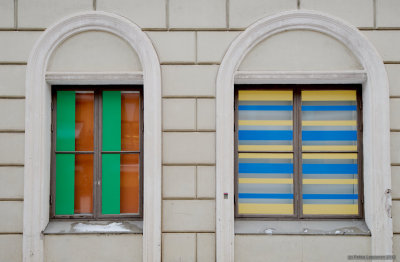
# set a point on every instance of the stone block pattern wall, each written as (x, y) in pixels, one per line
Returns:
(191, 38)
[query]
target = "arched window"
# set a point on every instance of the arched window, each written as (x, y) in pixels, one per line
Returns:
(375, 102)
(38, 122)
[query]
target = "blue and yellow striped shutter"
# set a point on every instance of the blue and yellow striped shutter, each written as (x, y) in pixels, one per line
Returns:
(265, 180)
(330, 180)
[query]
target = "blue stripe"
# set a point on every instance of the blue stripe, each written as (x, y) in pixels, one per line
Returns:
(264, 168)
(266, 108)
(330, 169)
(329, 108)
(330, 196)
(255, 195)
(329, 135)
(265, 135)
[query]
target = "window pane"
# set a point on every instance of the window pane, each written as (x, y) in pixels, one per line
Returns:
(83, 183)
(265, 183)
(84, 121)
(130, 125)
(74, 184)
(121, 132)
(129, 183)
(329, 120)
(120, 183)
(65, 131)
(330, 184)
(265, 120)
(111, 121)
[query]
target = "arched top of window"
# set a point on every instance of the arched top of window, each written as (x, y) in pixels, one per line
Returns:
(364, 66)
(145, 69)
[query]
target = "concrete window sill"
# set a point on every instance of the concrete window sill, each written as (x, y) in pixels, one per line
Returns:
(306, 227)
(93, 227)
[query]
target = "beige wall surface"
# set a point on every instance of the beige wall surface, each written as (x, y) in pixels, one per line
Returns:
(190, 38)
(80, 53)
(299, 51)
(101, 248)
(299, 248)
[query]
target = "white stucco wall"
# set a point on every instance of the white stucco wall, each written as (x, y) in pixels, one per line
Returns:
(190, 42)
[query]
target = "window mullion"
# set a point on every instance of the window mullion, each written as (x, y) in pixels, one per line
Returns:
(297, 152)
(97, 174)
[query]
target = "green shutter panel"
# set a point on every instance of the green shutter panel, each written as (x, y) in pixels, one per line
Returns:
(111, 141)
(65, 163)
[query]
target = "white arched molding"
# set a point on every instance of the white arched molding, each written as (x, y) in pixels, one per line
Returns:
(38, 122)
(377, 180)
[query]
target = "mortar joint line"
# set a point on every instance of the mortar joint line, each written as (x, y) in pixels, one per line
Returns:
(374, 3)
(16, 14)
(195, 115)
(196, 49)
(12, 97)
(227, 13)
(195, 248)
(167, 14)
(195, 181)
(94, 5)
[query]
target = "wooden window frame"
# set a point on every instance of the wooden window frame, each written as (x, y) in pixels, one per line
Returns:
(297, 142)
(97, 152)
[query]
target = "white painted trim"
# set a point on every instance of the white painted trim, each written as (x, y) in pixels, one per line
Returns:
(37, 124)
(377, 180)
(96, 78)
(300, 77)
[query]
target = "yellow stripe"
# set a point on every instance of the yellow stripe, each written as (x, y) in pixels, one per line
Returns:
(329, 95)
(329, 156)
(329, 181)
(266, 155)
(271, 209)
(264, 95)
(312, 209)
(329, 148)
(264, 148)
(265, 122)
(265, 181)
(330, 123)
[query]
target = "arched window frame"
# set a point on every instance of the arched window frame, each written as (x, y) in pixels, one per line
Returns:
(38, 123)
(376, 136)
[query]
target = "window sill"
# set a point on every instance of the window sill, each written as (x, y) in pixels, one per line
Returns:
(93, 227)
(320, 227)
